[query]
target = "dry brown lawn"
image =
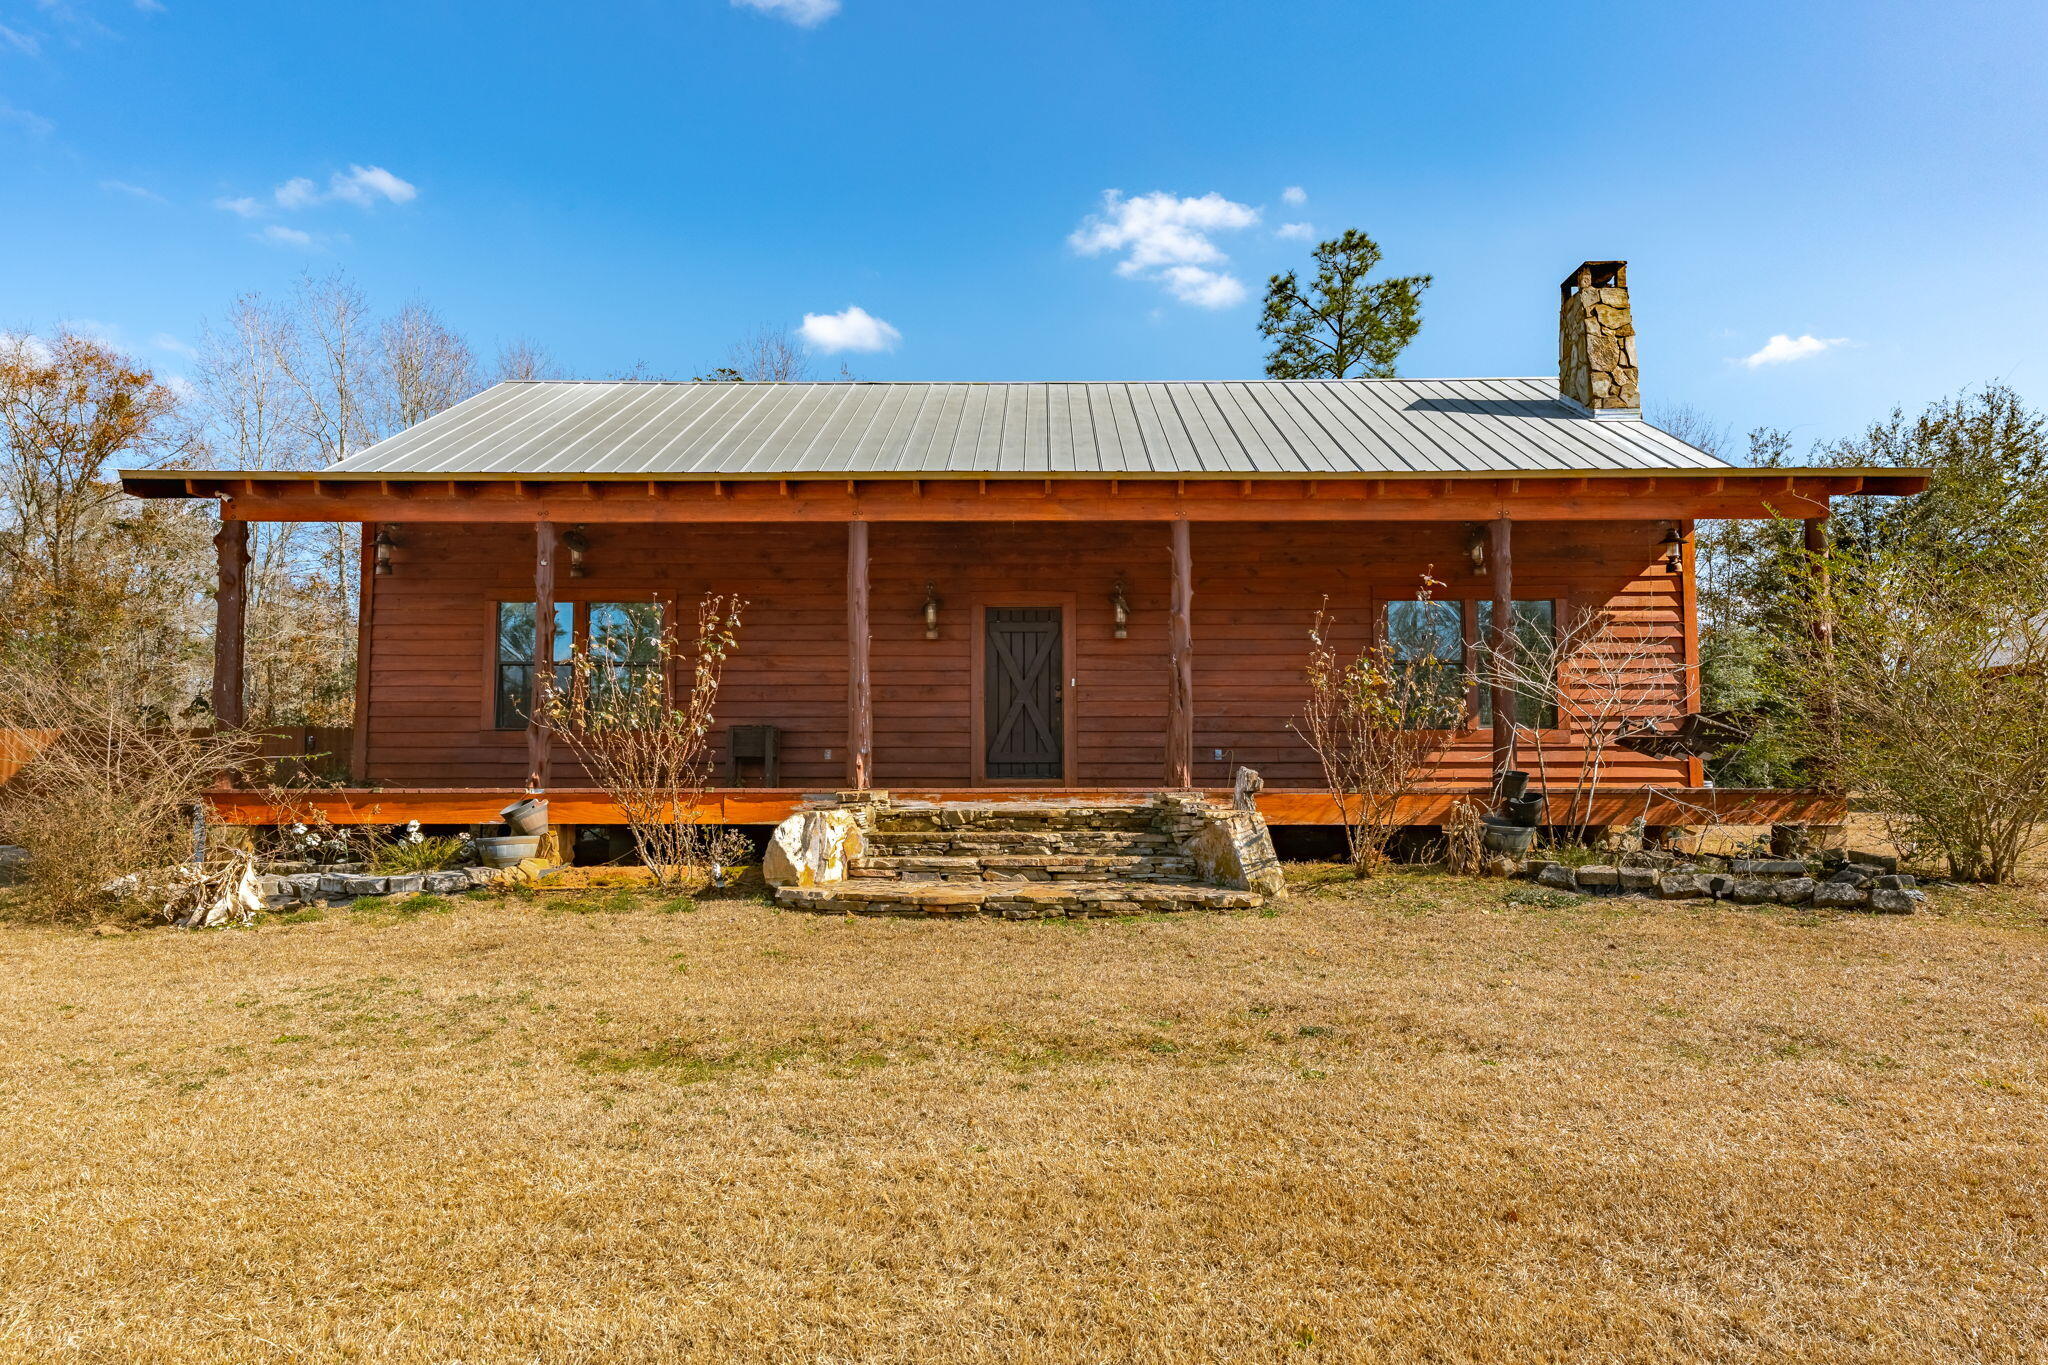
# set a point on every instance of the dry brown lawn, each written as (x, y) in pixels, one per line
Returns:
(1427, 1121)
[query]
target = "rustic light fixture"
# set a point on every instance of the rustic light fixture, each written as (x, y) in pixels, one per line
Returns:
(931, 611)
(1122, 607)
(578, 545)
(1674, 550)
(1475, 549)
(385, 543)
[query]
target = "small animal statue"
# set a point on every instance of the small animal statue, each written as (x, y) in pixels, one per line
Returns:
(1246, 792)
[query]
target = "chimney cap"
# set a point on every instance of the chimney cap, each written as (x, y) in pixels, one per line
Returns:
(1596, 275)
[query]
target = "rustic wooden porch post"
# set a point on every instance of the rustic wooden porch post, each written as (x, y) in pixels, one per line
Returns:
(539, 739)
(1813, 538)
(1180, 660)
(230, 602)
(860, 714)
(1500, 557)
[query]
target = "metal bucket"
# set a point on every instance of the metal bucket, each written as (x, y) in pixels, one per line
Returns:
(508, 852)
(528, 816)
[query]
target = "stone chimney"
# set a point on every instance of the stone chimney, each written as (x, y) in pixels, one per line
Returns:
(1596, 340)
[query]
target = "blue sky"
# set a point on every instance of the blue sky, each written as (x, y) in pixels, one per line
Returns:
(645, 180)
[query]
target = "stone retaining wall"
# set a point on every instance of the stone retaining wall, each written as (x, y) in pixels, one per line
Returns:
(1851, 881)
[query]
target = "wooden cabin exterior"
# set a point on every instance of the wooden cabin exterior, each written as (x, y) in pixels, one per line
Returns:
(1005, 590)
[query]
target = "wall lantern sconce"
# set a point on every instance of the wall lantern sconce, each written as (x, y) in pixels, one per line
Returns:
(1475, 549)
(1121, 606)
(1674, 550)
(931, 612)
(578, 545)
(385, 543)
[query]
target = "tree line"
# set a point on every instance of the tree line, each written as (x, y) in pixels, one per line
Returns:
(92, 581)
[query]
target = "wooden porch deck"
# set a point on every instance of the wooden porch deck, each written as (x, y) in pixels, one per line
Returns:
(767, 806)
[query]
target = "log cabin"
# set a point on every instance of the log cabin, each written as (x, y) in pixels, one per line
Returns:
(1008, 590)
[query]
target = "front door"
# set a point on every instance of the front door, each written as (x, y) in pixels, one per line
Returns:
(1023, 700)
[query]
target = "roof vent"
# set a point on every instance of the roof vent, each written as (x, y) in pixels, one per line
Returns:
(1596, 341)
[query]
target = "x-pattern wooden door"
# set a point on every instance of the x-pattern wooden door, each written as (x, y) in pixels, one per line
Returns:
(1022, 696)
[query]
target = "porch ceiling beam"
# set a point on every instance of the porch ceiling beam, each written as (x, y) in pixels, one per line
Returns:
(527, 501)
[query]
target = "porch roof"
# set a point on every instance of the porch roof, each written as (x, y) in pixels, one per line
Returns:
(1319, 428)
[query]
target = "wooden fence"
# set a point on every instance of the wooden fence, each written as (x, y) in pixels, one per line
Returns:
(316, 753)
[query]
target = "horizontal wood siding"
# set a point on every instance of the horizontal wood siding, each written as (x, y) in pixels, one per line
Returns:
(1257, 589)
(923, 689)
(1257, 586)
(430, 640)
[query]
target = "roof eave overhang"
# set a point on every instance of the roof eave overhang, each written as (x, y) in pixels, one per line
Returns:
(1013, 495)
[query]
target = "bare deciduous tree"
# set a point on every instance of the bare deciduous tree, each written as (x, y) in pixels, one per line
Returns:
(523, 359)
(644, 734)
(1600, 675)
(426, 366)
(1377, 722)
(769, 355)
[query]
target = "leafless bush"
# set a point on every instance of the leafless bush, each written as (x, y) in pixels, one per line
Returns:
(1598, 676)
(1465, 840)
(1376, 722)
(647, 742)
(111, 794)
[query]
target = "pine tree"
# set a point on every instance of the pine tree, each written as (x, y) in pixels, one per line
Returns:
(1345, 326)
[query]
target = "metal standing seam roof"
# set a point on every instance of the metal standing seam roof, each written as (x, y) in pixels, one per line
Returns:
(576, 428)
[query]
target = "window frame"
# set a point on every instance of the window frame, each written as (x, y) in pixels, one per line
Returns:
(1475, 628)
(579, 602)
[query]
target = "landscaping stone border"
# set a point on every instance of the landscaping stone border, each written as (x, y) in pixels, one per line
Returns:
(1835, 881)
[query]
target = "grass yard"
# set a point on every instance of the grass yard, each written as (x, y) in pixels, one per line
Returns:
(1430, 1120)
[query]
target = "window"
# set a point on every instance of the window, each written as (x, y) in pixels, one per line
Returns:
(624, 646)
(621, 640)
(1535, 637)
(1427, 642)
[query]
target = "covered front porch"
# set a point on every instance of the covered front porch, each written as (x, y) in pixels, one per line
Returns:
(983, 638)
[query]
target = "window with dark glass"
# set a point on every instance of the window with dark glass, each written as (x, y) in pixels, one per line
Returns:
(516, 654)
(624, 649)
(1535, 625)
(621, 642)
(1426, 640)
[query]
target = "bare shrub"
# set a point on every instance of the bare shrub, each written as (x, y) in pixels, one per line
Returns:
(1598, 676)
(112, 793)
(1376, 721)
(1465, 840)
(643, 731)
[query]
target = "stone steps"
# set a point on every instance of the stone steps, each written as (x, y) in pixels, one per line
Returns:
(980, 842)
(1010, 900)
(1018, 817)
(1026, 867)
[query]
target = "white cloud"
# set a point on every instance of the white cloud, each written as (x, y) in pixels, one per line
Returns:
(297, 193)
(1781, 349)
(1294, 194)
(1203, 288)
(35, 125)
(1165, 237)
(137, 191)
(365, 185)
(362, 186)
(164, 341)
(150, 6)
(802, 13)
(853, 330)
(277, 234)
(1295, 232)
(25, 43)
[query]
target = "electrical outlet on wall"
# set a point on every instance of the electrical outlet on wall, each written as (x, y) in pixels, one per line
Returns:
(828, 755)
(1219, 755)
